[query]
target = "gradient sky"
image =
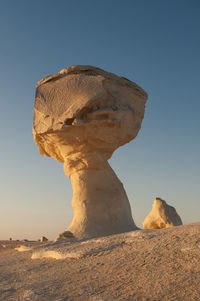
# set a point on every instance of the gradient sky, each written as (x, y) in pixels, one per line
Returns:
(154, 43)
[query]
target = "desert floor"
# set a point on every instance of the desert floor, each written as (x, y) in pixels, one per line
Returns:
(139, 265)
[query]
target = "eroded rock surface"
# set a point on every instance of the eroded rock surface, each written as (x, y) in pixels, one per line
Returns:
(66, 236)
(82, 115)
(162, 215)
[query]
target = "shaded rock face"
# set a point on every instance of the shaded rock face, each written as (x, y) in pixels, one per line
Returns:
(43, 239)
(66, 235)
(161, 216)
(82, 115)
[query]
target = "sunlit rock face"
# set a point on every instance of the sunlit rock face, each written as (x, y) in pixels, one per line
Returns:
(43, 239)
(82, 115)
(161, 216)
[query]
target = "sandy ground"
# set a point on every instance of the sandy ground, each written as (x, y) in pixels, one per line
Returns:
(140, 265)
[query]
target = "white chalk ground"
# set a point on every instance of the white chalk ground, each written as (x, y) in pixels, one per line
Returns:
(23, 248)
(139, 265)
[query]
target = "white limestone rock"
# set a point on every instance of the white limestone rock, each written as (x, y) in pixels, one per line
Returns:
(82, 115)
(65, 236)
(161, 216)
(43, 239)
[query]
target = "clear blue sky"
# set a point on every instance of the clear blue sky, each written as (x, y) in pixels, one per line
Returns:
(154, 43)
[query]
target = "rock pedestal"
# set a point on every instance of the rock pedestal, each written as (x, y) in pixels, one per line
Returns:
(82, 114)
(99, 201)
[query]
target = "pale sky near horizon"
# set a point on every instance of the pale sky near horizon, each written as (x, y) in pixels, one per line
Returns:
(154, 43)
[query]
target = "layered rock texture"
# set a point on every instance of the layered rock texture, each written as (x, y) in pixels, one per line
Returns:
(82, 115)
(67, 235)
(161, 216)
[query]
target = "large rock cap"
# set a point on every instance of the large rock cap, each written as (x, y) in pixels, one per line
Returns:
(61, 97)
(87, 103)
(161, 216)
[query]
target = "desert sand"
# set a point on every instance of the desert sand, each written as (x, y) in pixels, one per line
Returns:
(161, 264)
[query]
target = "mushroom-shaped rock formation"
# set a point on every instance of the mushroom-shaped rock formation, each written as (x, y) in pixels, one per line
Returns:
(82, 115)
(161, 216)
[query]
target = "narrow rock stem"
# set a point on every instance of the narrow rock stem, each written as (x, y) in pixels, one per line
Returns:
(100, 203)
